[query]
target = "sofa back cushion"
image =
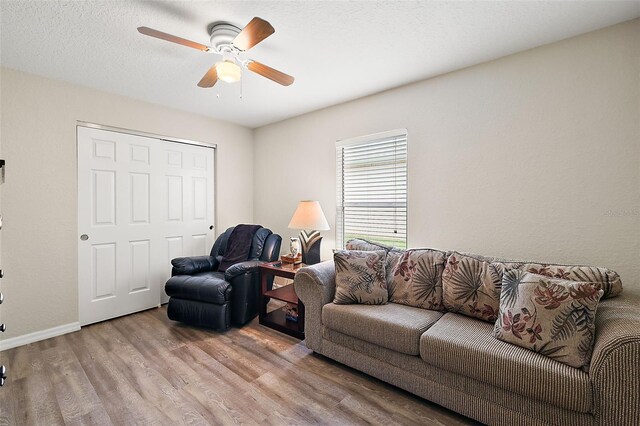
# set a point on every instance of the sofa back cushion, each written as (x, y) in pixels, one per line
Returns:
(360, 277)
(416, 278)
(365, 245)
(551, 316)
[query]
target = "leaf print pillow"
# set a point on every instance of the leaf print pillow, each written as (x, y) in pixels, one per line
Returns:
(360, 277)
(551, 316)
(471, 286)
(416, 279)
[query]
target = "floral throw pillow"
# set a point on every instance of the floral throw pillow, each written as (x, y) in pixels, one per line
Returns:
(609, 281)
(471, 286)
(416, 279)
(551, 316)
(360, 277)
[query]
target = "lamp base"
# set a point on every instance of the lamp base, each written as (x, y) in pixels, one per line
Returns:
(310, 247)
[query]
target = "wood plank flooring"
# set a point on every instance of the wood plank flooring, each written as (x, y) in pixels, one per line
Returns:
(146, 369)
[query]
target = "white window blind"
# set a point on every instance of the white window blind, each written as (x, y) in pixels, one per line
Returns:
(371, 176)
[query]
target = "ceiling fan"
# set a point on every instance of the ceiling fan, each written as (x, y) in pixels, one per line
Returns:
(230, 42)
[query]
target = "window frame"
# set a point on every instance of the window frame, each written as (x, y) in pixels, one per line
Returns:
(364, 140)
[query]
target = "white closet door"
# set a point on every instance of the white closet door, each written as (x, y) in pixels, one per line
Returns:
(122, 209)
(188, 210)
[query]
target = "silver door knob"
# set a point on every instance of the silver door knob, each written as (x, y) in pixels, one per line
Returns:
(1, 298)
(84, 237)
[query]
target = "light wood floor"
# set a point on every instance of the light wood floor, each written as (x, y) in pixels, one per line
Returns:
(145, 369)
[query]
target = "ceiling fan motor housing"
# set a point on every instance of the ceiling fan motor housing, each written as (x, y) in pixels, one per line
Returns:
(222, 35)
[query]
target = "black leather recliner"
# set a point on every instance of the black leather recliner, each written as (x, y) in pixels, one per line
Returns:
(201, 296)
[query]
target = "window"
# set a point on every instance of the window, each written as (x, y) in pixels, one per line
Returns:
(371, 176)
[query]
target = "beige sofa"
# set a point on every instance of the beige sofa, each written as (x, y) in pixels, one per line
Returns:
(455, 361)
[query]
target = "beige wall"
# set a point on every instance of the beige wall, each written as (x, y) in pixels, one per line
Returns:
(532, 156)
(39, 199)
(536, 155)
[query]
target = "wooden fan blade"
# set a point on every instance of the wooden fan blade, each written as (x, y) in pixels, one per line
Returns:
(272, 74)
(210, 78)
(174, 39)
(255, 31)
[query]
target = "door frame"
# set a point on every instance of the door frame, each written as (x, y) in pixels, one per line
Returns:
(81, 123)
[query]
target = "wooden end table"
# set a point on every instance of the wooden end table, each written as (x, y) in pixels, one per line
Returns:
(277, 319)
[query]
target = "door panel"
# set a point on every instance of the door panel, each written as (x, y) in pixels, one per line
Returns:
(104, 197)
(104, 270)
(198, 245)
(142, 202)
(139, 192)
(140, 154)
(174, 198)
(140, 265)
(199, 198)
(103, 149)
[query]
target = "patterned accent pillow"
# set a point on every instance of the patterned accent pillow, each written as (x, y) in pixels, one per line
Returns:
(360, 277)
(416, 279)
(609, 281)
(471, 286)
(551, 316)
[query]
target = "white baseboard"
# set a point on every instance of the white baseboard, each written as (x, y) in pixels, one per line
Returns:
(36, 336)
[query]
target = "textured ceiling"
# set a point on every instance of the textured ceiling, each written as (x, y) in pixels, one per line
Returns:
(337, 50)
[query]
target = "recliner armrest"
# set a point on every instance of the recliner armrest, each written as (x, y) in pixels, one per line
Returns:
(193, 265)
(242, 268)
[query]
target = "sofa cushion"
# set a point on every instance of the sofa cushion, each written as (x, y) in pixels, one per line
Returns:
(204, 287)
(393, 326)
(434, 383)
(550, 316)
(471, 286)
(360, 277)
(417, 279)
(467, 346)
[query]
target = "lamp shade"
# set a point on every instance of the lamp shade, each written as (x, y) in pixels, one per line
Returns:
(309, 215)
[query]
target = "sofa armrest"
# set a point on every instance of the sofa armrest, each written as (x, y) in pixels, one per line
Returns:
(615, 363)
(241, 269)
(193, 265)
(315, 285)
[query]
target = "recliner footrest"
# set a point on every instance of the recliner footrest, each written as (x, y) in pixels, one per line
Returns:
(202, 314)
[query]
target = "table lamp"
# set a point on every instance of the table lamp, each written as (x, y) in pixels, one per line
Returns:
(310, 219)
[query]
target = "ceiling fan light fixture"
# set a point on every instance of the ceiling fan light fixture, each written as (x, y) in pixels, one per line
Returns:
(228, 71)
